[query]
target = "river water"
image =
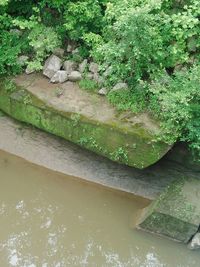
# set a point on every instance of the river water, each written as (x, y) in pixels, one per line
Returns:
(48, 219)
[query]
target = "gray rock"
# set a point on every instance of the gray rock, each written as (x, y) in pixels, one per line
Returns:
(120, 86)
(97, 78)
(103, 91)
(60, 76)
(75, 76)
(195, 243)
(52, 65)
(16, 31)
(29, 71)
(22, 60)
(59, 52)
(94, 67)
(90, 76)
(192, 44)
(75, 51)
(107, 72)
(69, 48)
(83, 66)
(70, 66)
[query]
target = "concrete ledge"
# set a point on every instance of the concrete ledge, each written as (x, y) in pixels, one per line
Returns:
(176, 213)
(85, 119)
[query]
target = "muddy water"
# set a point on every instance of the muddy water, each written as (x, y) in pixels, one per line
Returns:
(50, 220)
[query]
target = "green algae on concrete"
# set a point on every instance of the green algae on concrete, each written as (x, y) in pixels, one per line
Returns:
(176, 213)
(85, 119)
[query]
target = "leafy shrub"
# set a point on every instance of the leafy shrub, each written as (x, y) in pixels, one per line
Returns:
(42, 39)
(176, 102)
(145, 38)
(89, 85)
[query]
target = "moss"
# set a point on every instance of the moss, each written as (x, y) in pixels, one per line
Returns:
(128, 145)
(169, 226)
(176, 213)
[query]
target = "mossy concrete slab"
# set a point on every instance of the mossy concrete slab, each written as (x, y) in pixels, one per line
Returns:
(83, 118)
(176, 213)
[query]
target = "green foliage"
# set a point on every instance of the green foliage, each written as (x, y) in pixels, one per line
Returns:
(82, 17)
(10, 46)
(120, 155)
(89, 85)
(145, 38)
(152, 45)
(127, 100)
(9, 86)
(42, 39)
(176, 102)
(3, 2)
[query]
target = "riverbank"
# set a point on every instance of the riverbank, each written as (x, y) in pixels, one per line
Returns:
(84, 119)
(60, 155)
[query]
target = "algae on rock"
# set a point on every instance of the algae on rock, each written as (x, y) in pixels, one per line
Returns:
(84, 119)
(176, 213)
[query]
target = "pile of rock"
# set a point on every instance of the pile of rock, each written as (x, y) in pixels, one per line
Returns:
(60, 71)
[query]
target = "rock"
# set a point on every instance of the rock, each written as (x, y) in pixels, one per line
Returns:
(107, 72)
(75, 51)
(16, 31)
(176, 213)
(97, 78)
(120, 86)
(79, 114)
(70, 66)
(103, 91)
(192, 44)
(22, 60)
(89, 76)
(52, 65)
(94, 67)
(75, 76)
(69, 48)
(60, 76)
(29, 71)
(195, 242)
(82, 67)
(59, 52)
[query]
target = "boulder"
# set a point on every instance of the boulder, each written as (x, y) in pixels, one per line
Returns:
(90, 76)
(52, 65)
(29, 70)
(75, 76)
(60, 76)
(16, 31)
(94, 67)
(82, 67)
(22, 60)
(75, 51)
(70, 66)
(119, 87)
(59, 52)
(107, 72)
(195, 242)
(176, 213)
(85, 119)
(103, 91)
(69, 48)
(97, 78)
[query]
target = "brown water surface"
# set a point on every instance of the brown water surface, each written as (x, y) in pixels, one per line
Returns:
(51, 220)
